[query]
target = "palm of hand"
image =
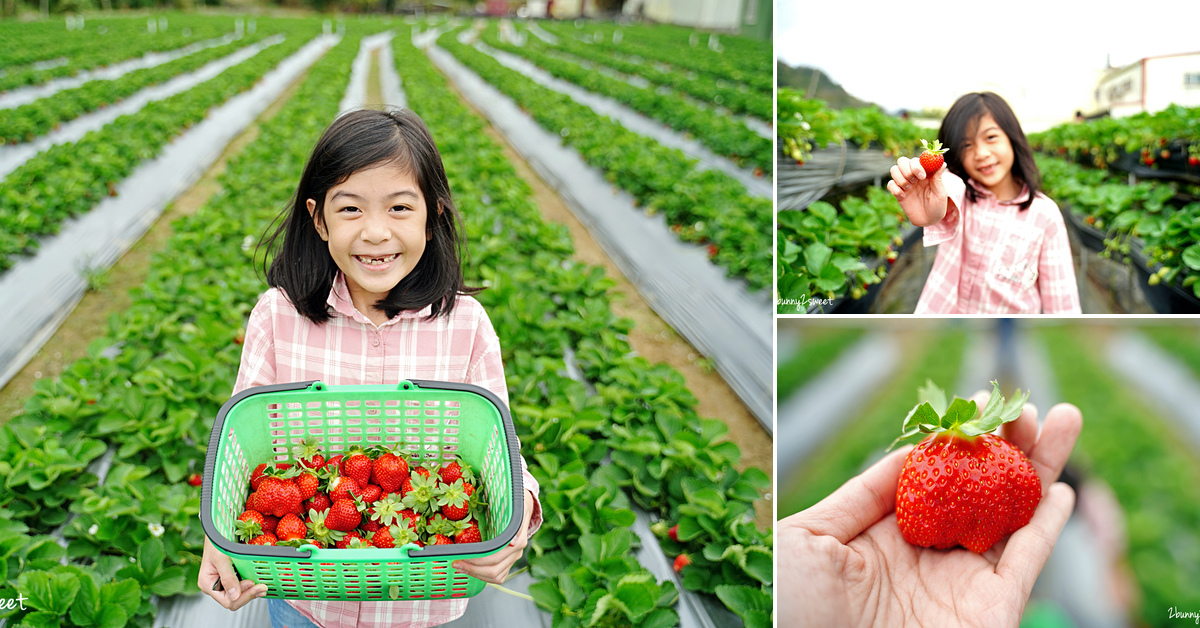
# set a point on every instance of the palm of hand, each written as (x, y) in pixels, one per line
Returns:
(925, 201)
(939, 587)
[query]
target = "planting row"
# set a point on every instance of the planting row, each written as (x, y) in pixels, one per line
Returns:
(740, 61)
(1147, 219)
(148, 391)
(69, 179)
(806, 124)
(24, 123)
(665, 458)
(723, 135)
(826, 252)
(705, 207)
(714, 92)
(1168, 140)
(107, 42)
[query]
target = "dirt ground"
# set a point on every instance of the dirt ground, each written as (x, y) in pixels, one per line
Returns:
(651, 336)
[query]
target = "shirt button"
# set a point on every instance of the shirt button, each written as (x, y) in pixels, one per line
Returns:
(374, 342)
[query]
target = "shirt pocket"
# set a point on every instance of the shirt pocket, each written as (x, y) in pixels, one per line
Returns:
(1019, 249)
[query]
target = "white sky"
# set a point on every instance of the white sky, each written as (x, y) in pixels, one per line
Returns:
(1043, 56)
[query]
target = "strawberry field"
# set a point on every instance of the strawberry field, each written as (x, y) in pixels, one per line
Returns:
(839, 229)
(1135, 467)
(98, 522)
(1130, 190)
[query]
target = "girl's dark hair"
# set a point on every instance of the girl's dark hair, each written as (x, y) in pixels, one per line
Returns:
(300, 263)
(963, 119)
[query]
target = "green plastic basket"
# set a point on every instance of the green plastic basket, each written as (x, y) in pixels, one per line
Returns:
(430, 421)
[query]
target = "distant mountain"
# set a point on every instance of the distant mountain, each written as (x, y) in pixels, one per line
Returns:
(801, 78)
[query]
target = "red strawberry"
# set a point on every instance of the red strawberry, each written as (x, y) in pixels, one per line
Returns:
(389, 471)
(371, 493)
(964, 485)
(334, 464)
(681, 561)
(371, 525)
(454, 501)
(342, 487)
(319, 502)
(382, 538)
(257, 476)
(269, 524)
(422, 471)
(358, 468)
(249, 524)
(290, 527)
(441, 539)
(1193, 160)
(310, 454)
(308, 484)
(931, 157)
(321, 531)
(195, 479)
(674, 533)
(264, 539)
(470, 534)
(343, 515)
(352, 540)
(277, 496)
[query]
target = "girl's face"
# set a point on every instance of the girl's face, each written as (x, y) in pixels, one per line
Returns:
(988, 159)
(375, 226)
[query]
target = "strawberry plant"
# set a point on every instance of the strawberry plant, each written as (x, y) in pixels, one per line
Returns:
(1112, 142)
(701, 206)
(723, 135)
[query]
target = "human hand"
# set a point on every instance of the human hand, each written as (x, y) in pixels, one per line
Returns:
(843, 562)
(495, 568)
(922, 197)
(214, 565)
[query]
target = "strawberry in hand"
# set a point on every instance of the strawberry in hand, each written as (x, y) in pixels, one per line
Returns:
(964, 485)
(917, 185)
(931, 158)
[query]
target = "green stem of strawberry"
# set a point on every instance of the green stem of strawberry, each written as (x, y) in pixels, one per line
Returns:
(511, 592)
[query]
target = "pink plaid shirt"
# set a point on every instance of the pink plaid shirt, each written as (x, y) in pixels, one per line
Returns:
(993, 258)
(283, 346)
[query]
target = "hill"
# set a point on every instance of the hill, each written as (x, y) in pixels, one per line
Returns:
(801, 77)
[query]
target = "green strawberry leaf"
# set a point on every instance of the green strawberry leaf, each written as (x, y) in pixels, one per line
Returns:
(959, 412)
(934, 395)
(996, 413)
(816, 255)
(746, 602)
(1191, 256)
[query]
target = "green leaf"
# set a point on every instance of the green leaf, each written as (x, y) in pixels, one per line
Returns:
(124, 593)
(42, 619)
(959, 412)
(744, 601)
(51, 592)
(934, 395)
(816, 256)
(987, 423)
(688, 529)
(150, 557)
(546, 595)
(1191, 257)
(637, 597)
(661, 618)
(824, 211)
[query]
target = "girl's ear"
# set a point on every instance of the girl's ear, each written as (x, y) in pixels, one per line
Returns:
(312, 212)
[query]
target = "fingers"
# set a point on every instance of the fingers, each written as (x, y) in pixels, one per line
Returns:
(1023, 432)
(216, 568)
(858, 503)
(1059, 433)
(904, 177)
(494, 568)
(1029, 548)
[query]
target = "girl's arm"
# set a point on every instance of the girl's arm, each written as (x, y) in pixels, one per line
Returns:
(257, 367)
(1056, 270)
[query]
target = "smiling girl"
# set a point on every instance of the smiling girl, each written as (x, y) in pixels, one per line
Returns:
(366, 287)
(1002, 244)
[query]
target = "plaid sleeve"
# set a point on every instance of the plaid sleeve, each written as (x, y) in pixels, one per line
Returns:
(487, 370)
(257, 366)
(949, 226)
(1056, 269)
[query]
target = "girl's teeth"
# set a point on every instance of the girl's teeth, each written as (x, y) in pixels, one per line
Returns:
(375, 260)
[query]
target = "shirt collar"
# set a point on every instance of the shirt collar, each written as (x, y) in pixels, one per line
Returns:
(339, 299)
(1021, 196)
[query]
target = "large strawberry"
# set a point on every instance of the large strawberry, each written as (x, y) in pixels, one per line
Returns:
(290, 527)
(358, 467)
(453, 501)
(964, 485)
(343, 515)
(389, 470)
(277, 495)
(931, 158)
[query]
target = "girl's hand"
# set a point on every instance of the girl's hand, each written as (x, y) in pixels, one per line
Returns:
(495, 568)
(923, 198)
(214, 565)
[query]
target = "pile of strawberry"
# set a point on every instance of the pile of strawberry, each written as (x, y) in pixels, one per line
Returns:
(364, 498)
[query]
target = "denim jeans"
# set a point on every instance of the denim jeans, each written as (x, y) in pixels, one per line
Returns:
(284, 616)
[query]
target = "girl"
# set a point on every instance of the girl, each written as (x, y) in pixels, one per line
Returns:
(366, 288)
(1003, 244)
